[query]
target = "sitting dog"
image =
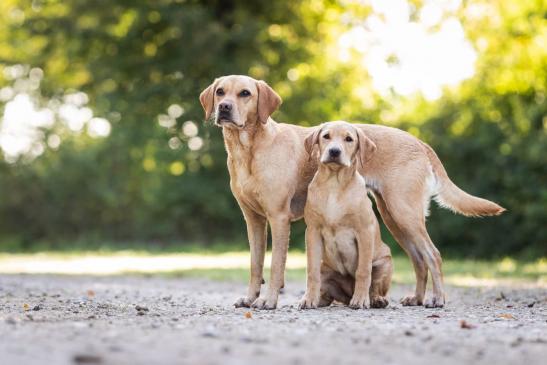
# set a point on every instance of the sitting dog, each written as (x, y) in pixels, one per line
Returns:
(347, 260)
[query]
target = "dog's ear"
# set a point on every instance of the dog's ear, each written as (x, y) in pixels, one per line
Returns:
(312, 139)
(366, 147)
(207, 99)
(268, 101)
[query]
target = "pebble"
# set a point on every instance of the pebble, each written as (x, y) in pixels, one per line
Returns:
(210, 334)
(87, 359)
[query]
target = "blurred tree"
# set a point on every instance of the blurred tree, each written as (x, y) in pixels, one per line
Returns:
(492, 132)
(135, 59)
(160, 175)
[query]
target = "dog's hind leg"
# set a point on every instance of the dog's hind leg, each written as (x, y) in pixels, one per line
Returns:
(335, 287)
(409, 217)
(382, 270)
(420, 268)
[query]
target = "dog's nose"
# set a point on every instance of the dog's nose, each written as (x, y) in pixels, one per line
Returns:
(225, 107)
(334, 152)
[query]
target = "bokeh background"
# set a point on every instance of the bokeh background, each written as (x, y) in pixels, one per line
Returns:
(102, 140)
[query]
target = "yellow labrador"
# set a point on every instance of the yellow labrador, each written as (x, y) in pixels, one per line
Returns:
(270, 171)
(347, 260)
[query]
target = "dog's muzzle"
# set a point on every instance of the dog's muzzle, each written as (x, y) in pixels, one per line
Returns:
(224, 117)
(333, 156)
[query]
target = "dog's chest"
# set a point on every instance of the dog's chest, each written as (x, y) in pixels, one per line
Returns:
(328, 207)
(340, 249)
(339, 239)
(245, 184)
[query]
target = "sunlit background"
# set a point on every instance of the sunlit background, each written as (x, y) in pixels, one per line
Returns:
(402, 54)
(102, 136)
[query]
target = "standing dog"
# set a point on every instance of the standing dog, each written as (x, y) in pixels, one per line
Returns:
(342, 230)
(270, 171)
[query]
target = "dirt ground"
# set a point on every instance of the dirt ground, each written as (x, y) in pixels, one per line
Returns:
(159, 320)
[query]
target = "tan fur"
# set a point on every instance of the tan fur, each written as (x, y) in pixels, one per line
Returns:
(452, 197)
(343, 236)
(270, 171)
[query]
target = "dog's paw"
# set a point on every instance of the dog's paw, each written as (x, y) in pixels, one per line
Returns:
(307, 302)
(263, 303)
(359, 302)
(434, 302)
(411, 301)
(379, 302)
(243, 302)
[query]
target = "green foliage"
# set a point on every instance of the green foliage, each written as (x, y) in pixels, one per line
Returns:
(136, 58)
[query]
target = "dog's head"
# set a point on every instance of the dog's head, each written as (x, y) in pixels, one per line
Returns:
(236, 101)
(340, 144)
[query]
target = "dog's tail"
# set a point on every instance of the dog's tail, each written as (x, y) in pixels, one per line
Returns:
(452, 197)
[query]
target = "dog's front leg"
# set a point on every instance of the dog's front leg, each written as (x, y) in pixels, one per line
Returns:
(280, 227)
(314, 252)
(257, 233)
(361, 297)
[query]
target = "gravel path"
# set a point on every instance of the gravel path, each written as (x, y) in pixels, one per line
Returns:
(155, 320)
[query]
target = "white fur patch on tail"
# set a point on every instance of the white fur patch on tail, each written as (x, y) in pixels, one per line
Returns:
(441, 203)
(432, 190)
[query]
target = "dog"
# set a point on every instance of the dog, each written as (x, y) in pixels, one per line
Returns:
(347, 260)
(270, 171)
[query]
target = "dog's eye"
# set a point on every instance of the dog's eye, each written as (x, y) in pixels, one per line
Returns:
(220, 92)
(245, 93)
(349, 139)
(326, 136)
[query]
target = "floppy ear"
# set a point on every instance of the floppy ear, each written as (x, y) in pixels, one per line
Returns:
(207, 99)
(366, 147)
(268, 101)
(312, 139)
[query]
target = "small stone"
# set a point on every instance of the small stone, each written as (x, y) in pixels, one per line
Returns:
(209, 333)
(501, 297)
(518, 341)
(37, 308)
(466, 325)
(87, 359)
(141, 308)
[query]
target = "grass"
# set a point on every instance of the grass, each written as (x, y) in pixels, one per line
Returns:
(456, 272)
(233, 266)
